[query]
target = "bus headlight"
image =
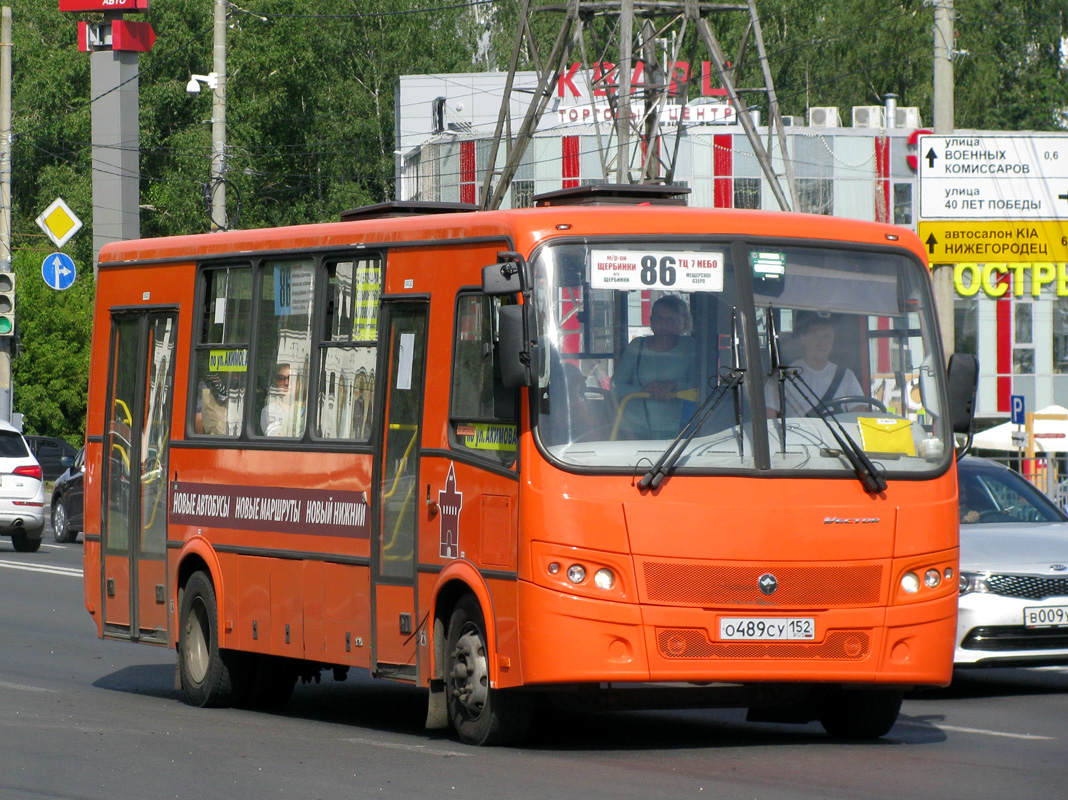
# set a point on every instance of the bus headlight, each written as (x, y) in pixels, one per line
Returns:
(932, 578)
(576, 573)
(604, 579)
(910, 582)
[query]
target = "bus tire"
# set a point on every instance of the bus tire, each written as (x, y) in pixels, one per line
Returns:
(479, 714)
(208, 673)
(859, 714)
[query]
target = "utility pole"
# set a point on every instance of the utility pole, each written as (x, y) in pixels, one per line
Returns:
(5, 200)
(942, 275)
(219, 220)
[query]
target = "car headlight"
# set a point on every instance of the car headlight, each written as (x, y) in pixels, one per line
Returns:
(974, 582)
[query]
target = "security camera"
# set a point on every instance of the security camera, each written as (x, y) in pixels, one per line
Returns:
(211, 80)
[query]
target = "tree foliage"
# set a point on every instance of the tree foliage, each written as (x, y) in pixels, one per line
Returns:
(310, 113)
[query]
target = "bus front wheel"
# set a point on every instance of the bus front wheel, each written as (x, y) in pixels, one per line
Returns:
(479, 714)
(859, 714)
(208, 673)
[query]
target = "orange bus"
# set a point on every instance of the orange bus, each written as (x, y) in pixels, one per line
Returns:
(532, 454)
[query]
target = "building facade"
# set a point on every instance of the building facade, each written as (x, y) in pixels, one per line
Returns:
(1013, 316)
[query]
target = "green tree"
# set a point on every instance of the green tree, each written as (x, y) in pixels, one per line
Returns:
(51, 371)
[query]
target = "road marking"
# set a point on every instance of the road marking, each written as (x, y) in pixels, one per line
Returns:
(984, 732)
(411, 748)
(22, 687)
(70, 572)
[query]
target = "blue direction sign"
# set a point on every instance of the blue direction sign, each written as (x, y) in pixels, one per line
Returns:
(1016, 409)
(58, 271)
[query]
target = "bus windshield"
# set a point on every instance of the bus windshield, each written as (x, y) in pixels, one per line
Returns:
(737, 357)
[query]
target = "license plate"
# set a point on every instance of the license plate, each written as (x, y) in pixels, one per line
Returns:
(767, 628)
(1046, 617)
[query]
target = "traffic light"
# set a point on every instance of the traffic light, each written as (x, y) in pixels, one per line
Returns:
(7, 303)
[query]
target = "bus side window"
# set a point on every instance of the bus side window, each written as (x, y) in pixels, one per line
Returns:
(283, 347)
(222, 352)
(348, 350)
(482, 413)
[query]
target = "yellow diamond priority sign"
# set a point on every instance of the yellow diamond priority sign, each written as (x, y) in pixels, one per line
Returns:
(59, 222)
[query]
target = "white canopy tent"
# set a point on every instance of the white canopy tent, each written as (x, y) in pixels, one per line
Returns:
(1051, 435)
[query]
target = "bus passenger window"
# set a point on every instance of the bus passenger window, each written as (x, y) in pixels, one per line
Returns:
(483, 411)
(222, 353)
(284, 347)
(349, 350)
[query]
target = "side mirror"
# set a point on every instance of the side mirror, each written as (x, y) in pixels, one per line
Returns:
(66, 461)
(518, 346)
(506, 277)
(963, 374)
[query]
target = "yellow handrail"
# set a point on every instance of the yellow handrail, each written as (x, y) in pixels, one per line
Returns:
(684, 394)
(404, 458)
(406, 503)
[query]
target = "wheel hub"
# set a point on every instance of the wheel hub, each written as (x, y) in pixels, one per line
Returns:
(469, 680)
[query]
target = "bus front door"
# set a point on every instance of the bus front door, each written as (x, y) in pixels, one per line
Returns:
(396, 495)
(134, 505)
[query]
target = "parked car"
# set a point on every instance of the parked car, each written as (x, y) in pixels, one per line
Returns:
(49, 452)
(1013, 608)
(68, 499)
(22, 495)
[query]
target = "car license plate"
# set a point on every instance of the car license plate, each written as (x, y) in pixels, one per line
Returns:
(767, 628)
(1046, 617)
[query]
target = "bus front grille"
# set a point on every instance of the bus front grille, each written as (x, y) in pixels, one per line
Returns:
(815, 586)
(694, 643)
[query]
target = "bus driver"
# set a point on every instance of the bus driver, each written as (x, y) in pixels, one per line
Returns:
(826, 379)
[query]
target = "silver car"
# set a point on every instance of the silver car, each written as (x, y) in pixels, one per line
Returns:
(22, 493)
(1013, 608)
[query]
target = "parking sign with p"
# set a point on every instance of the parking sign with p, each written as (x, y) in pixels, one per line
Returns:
(1016, 403)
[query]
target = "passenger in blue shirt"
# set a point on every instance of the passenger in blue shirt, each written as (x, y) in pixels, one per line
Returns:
(661, 364)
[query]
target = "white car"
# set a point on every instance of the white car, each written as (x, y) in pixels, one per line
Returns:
(22, 495)
(1013, 607)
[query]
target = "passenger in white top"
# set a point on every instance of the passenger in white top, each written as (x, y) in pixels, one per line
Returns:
(816, 331)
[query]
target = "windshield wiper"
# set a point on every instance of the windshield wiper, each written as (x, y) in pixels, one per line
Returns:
(777, 366)
(730, 381)
(869, 474)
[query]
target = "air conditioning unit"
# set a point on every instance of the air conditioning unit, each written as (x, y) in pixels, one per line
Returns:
(792, 121)
(824, 117)
(908, 117)
(869, 117)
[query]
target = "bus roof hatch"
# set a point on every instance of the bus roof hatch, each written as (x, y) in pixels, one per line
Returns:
(614, 194)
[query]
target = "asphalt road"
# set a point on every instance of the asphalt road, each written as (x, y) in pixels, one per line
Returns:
(82, 718)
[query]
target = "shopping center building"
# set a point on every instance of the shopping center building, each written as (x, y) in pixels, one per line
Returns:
(858, 162)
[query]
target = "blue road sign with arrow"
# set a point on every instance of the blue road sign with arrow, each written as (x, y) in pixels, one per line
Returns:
(58, 271)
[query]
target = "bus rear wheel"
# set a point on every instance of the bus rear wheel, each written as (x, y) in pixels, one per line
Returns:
(860, 713)
(209, 675)
(479, 714)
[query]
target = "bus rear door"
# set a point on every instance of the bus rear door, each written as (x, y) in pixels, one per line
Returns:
(136, 437)
(396, 495)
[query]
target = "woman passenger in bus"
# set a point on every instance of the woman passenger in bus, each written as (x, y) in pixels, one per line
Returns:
(661, 364)
(826, 379)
